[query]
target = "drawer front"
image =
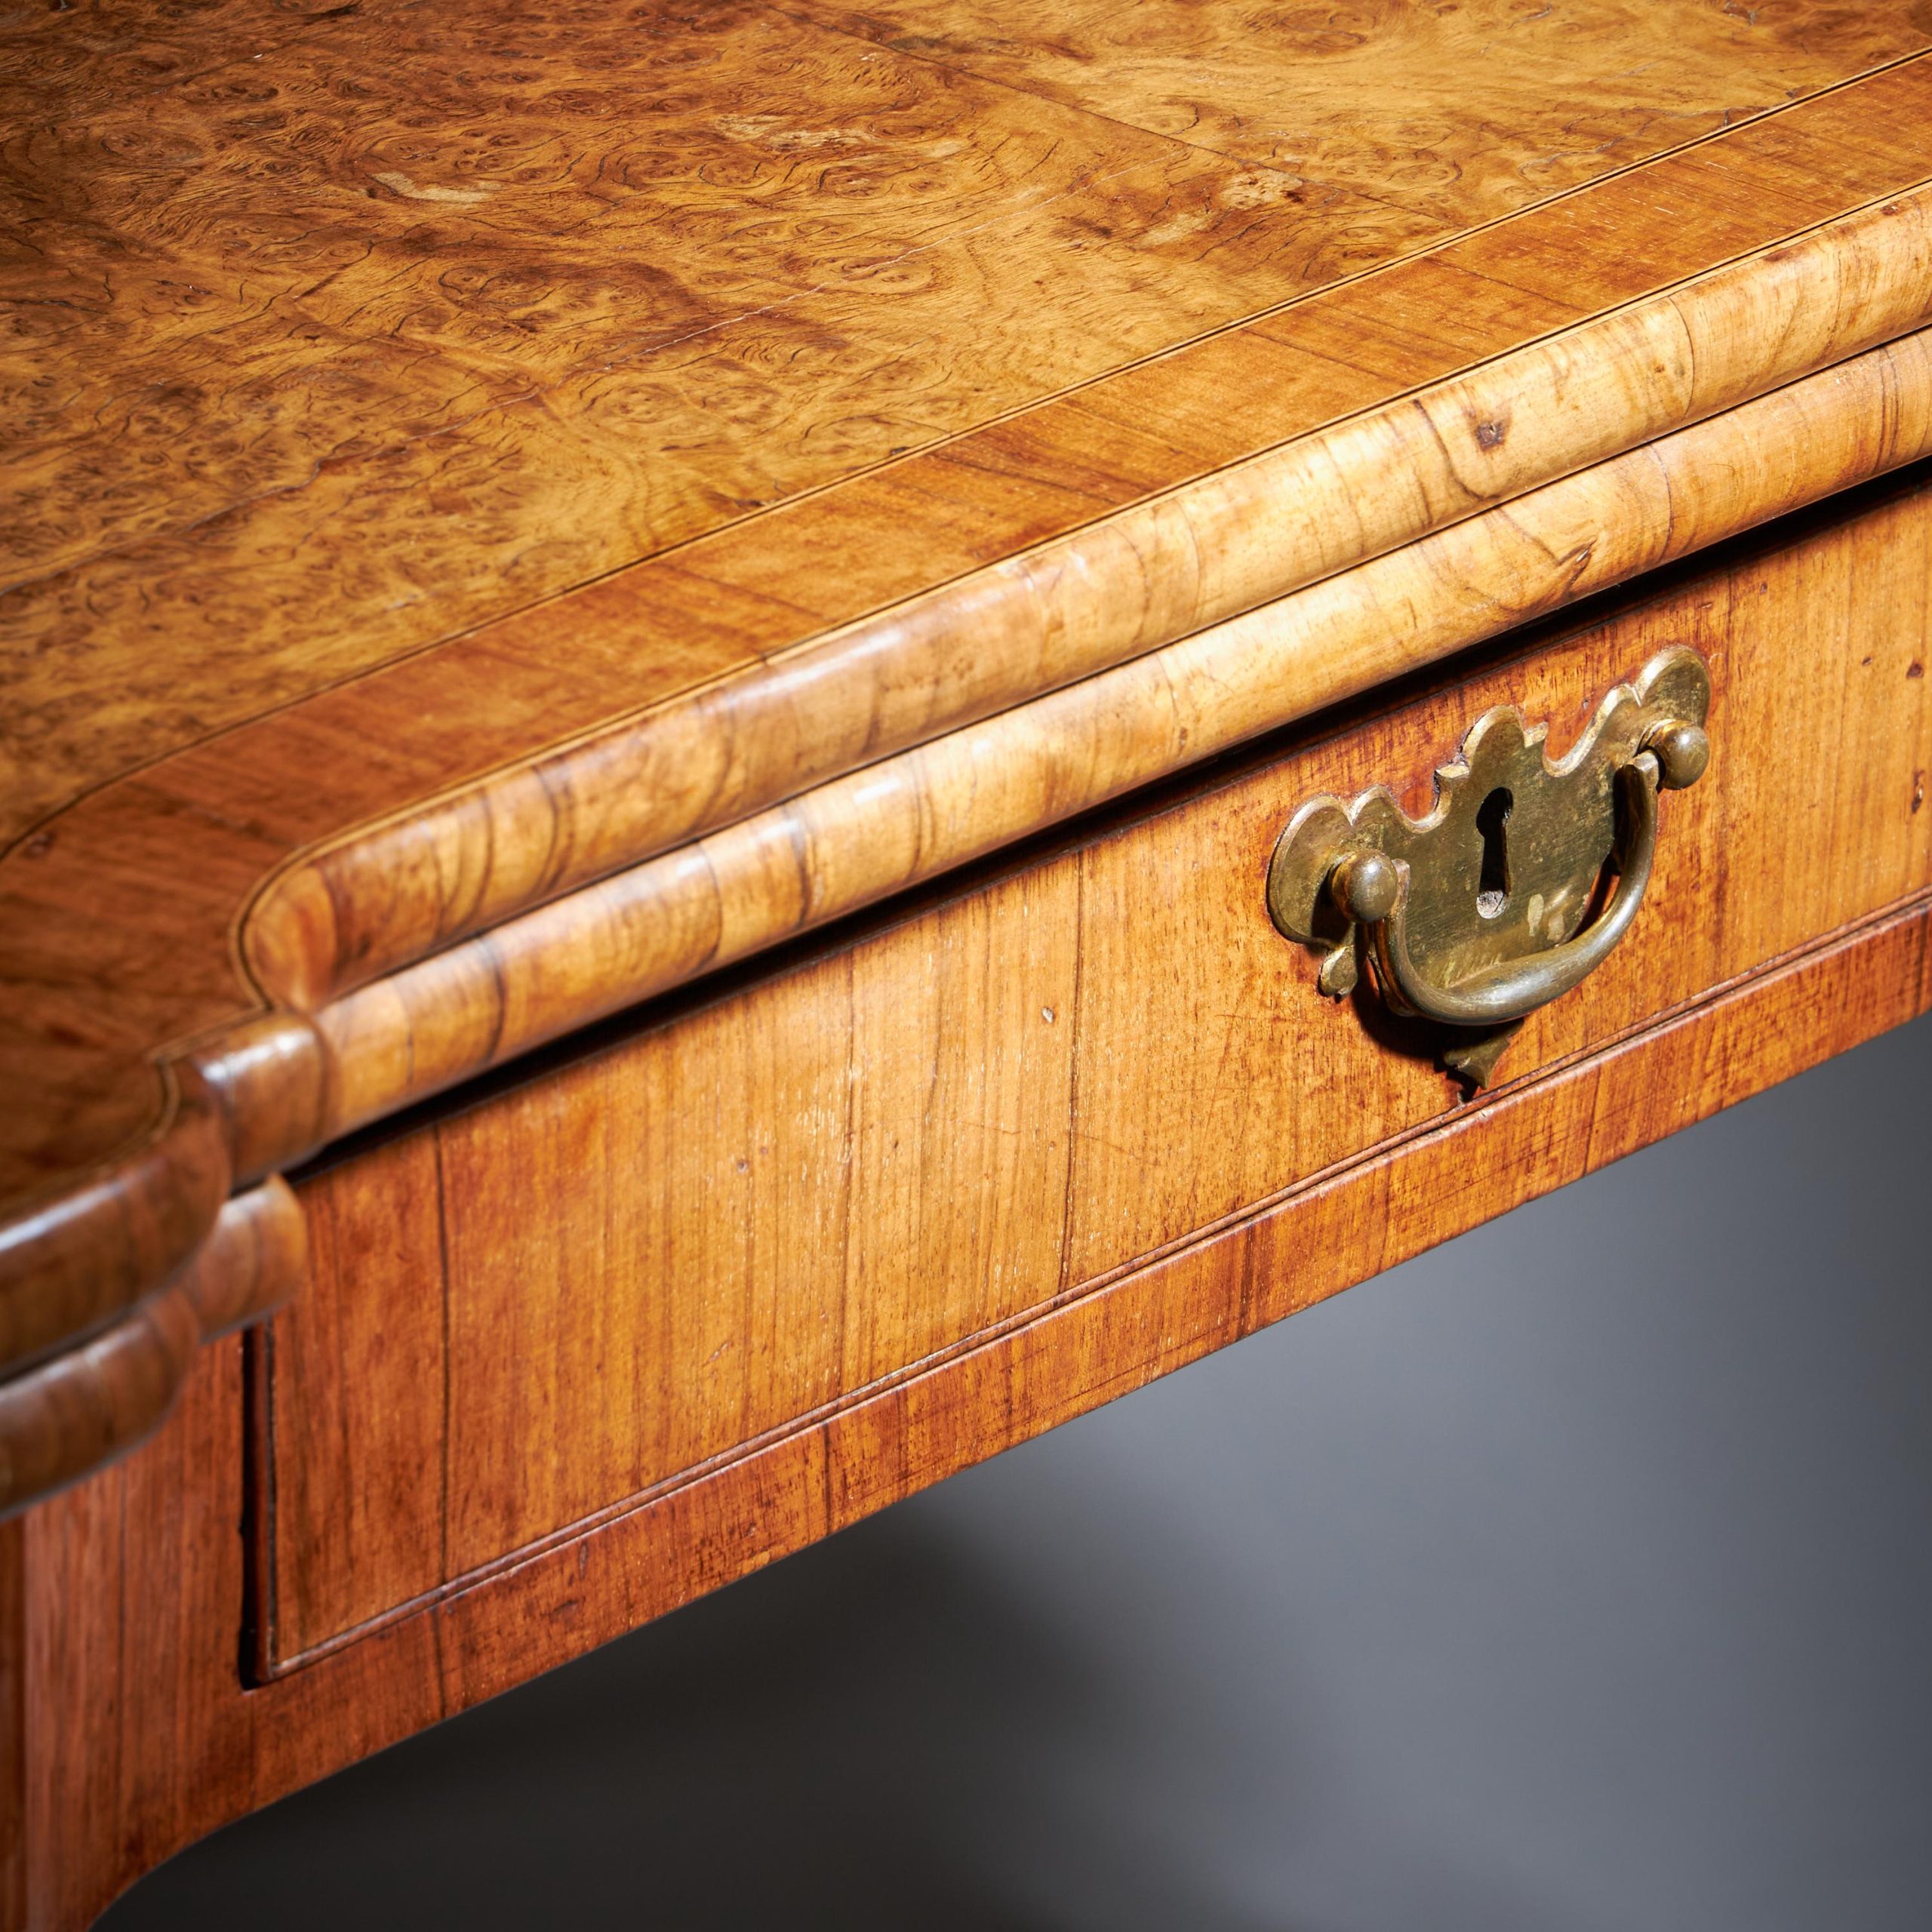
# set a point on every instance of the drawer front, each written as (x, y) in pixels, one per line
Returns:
(670, 1282)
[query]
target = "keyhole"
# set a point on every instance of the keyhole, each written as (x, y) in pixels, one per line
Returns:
(1493, 887)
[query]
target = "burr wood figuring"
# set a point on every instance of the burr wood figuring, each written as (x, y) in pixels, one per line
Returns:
(654, 659)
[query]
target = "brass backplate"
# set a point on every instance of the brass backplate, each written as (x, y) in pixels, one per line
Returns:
(1511, 857)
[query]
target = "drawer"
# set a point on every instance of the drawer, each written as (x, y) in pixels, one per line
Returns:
(745, 1266)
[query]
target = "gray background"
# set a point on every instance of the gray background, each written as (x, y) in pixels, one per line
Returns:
(1573, 1576)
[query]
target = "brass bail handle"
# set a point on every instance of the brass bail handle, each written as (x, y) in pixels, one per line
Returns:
(1491, 905)
(1373, 890)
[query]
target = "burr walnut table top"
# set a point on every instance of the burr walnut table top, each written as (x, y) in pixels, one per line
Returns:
(513, 508)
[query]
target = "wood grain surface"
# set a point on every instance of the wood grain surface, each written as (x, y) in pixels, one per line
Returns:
(1080, 603)
(343, 837)
(757, 1211)
(111, 1387)
(857, 840)
(125, 1627)
(265, 1093)
(1474, 111)
(120, 1633)
(510, 511)
(352, 347)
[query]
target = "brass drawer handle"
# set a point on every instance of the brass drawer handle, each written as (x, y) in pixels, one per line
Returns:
(1494, 995)
(1480, 913)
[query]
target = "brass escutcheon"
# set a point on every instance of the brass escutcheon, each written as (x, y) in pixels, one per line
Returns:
(1502, 899)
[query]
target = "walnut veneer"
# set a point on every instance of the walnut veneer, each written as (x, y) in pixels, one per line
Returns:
(652, 657)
